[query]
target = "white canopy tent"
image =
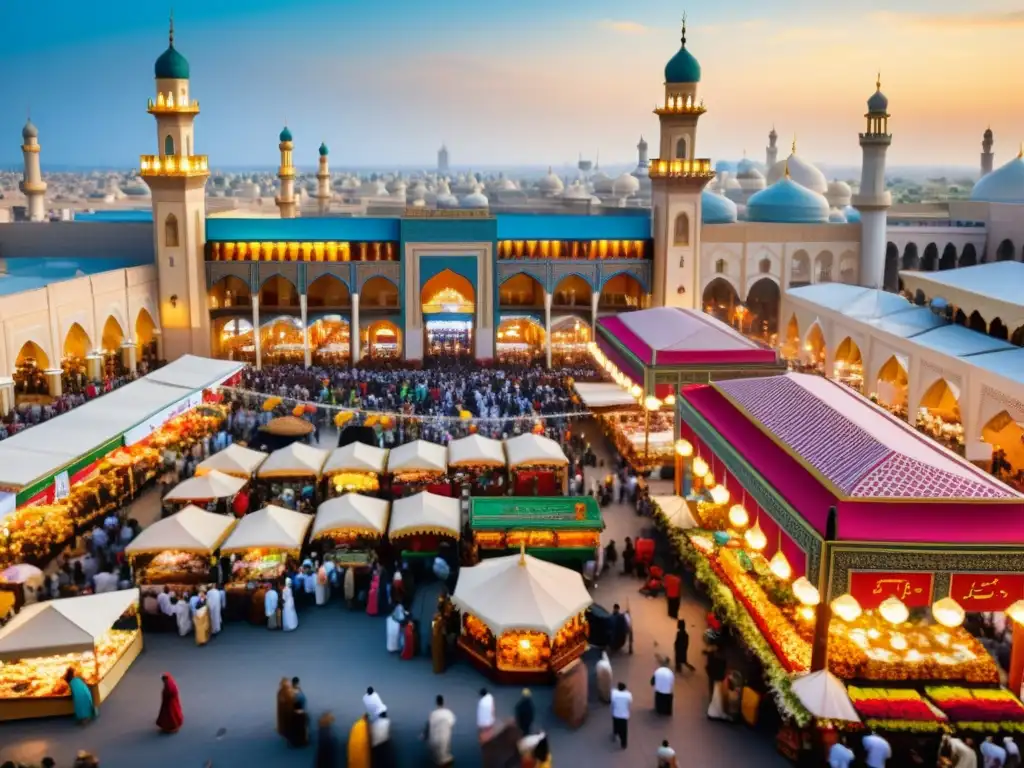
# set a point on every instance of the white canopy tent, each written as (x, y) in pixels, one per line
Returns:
(236, 460)
(44, 450)
(604, 396)
(295, 460)
(352, 512)
(68, 625)
(476, 450)
(356, 457)
(213, 485)
(825, 696)
(520, 592)
(426, 512)
(534, 450)
(676, 510)
(418, 456)
(272, 527)
(190, 530)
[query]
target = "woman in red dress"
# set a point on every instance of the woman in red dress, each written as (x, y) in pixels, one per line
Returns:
(373, 599)
(170, 718)
(409, 640)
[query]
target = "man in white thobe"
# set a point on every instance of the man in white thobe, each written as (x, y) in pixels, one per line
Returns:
(373, 703)
(993, 755)
(486, 715)
(183, 615)
(440, 725)
(270, 608)
(664, 682)
(215, 601)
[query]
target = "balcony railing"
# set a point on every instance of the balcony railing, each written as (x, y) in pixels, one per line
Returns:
(677, 105)
(162, 107)
(174, 165)
(699, 168)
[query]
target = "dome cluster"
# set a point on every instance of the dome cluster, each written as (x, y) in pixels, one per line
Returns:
(1004, 185)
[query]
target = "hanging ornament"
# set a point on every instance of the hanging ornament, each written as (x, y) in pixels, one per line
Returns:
(755, 537)
(779, 565)
(948, 612)
(846, 608)
(738, 517)
(893, 610)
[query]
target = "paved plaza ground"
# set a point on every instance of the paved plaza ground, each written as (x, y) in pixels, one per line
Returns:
(228, 690)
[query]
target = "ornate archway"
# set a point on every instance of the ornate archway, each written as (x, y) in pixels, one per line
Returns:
(569, 339)
(891, 278)
(948, 258)
(145, 335)
(969, 257)
(572, 291)
(448, 301)
(77, 343)
(330, 339)
(521, 290)
(281, 340)
(791, 343)
(910, 258)
(720, 300)
(278, 292)
(761, 318)
(520, 339)
(930, 258)
(29, 367)
(939, 414)
(382, 340)
(328, 291)
(230, 292)
(1006, 437)
(891, 386)
(621, 292)
(233, 339)
(815, 349)
(849, 364)
(378, 293)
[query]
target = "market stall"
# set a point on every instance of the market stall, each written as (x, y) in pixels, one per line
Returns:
(537, 626)
(20, 585)
(283, 431)
(419, 466)
(420, 523)
(538, 466)
(355, 468)
(262, 541)
(559, 528)
(350, 527)
(235, 460)
(478, 461)
(97, 635)
(293, 471)
(203, 488)
(176, 551)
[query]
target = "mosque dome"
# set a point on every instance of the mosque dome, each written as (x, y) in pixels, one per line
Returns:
(717, 209)
(747, 169)
(576, 192)
(683, 67)
(323, 150)
(724, 166)
(29, 131)
(788, 202)
(878, 103)
(852, 215)
(802, 172)
(171, 65)
(625, 186)
(550, 184)
(602, 183)
(286, 135)
(1003, 185)
(839, 194)
(352, 182)
(475, 199)
(835, 216)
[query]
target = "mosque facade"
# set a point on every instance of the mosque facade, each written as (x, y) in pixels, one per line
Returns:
(455, 269)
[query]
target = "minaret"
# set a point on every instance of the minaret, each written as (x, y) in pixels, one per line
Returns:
(678, 178)
(286, 173)
(33, 186)
(177, 179)
(987, 156)
(771, 152)
(442, 160)
(872, 199)
(642, 161)
(323, 182)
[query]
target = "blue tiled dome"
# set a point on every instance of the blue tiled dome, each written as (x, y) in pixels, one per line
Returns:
(1003, 185)
(683, 67)
(286, 135)
(852, 214)
(171, 65)
(717, 209)
(323, 149)
(786, 202)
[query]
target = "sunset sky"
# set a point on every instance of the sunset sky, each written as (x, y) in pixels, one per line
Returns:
(505, 83)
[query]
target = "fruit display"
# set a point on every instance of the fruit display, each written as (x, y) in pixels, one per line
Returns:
(896, 710)
(44, 677)
(258, 565)
(354, 482)
(172, 568)
(980, 709)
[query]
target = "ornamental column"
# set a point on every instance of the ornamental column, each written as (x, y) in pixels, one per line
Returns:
(305, 330)
(595, 298)
(353, 331)
(128, 356)
(547, 327)
(6, 395)
(256, 330)
(53, 381)
(94, 367)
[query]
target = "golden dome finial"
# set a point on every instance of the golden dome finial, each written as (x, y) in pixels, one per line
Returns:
(787, 166)
(794, 143)
(878, 82)
(682, 33)
(1020, 154)
(170, 35)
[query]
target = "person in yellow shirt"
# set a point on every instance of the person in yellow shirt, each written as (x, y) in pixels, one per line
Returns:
(359, 744)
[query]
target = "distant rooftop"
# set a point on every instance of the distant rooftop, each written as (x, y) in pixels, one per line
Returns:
(999, 281)
(25, 274)
(128, 215)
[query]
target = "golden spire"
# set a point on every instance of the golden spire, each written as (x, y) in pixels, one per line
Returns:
(170, 35)
(878, 82)
(682, 34)
(787, 164)
(1020, 154)
(794, 143)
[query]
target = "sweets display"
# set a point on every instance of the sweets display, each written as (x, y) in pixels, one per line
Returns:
(987, 709)
(354, 482)
(525, 650)
(172, 568)
(258, 565)
(895, 710)
(44, 677)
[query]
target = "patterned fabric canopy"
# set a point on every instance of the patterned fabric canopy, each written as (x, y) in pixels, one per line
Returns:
(855, 446)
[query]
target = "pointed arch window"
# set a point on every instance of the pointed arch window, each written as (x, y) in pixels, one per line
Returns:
(168, 146)
(171, 231)
(681, 153)
(720, 267)
(682, 230)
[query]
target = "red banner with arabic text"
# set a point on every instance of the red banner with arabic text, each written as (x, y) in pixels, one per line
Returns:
(986, 591)
(872, 587)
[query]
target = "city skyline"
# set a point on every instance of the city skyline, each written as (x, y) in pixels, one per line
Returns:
(520, 84)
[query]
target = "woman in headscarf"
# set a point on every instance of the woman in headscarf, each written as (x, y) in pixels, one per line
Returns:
(81, 697)
(171, 717)
(285, 706)
(326, 744)
(359, 743)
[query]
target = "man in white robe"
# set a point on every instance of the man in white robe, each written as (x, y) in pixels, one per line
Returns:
(374, 704)
(215, 601)
(393, 637)
(440, 725)
(183, 616)
(270, 608)
(323, 586)
(289, 618)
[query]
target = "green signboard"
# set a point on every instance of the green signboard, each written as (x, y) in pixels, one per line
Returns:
(559, 513)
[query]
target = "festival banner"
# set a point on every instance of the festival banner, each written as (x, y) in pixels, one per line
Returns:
(872, 587)
(986, 591)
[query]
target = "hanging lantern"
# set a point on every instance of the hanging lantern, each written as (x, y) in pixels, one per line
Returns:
(846, 607)
(806, 592)
(893, 610)
(948, 612)
(780, 566)
(651, 403)
(700, 467)
(1016, 612)
(755, 537)
(684, 448)
(636, 391)
(738, 517)
(709, 479)
(670, 400)
(719, 495)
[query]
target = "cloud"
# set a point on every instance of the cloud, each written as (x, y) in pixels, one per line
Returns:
(624, 27)
(999, 19)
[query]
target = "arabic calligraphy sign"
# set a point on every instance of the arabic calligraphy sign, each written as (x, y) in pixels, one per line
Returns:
(872, 587)
(986, 591)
